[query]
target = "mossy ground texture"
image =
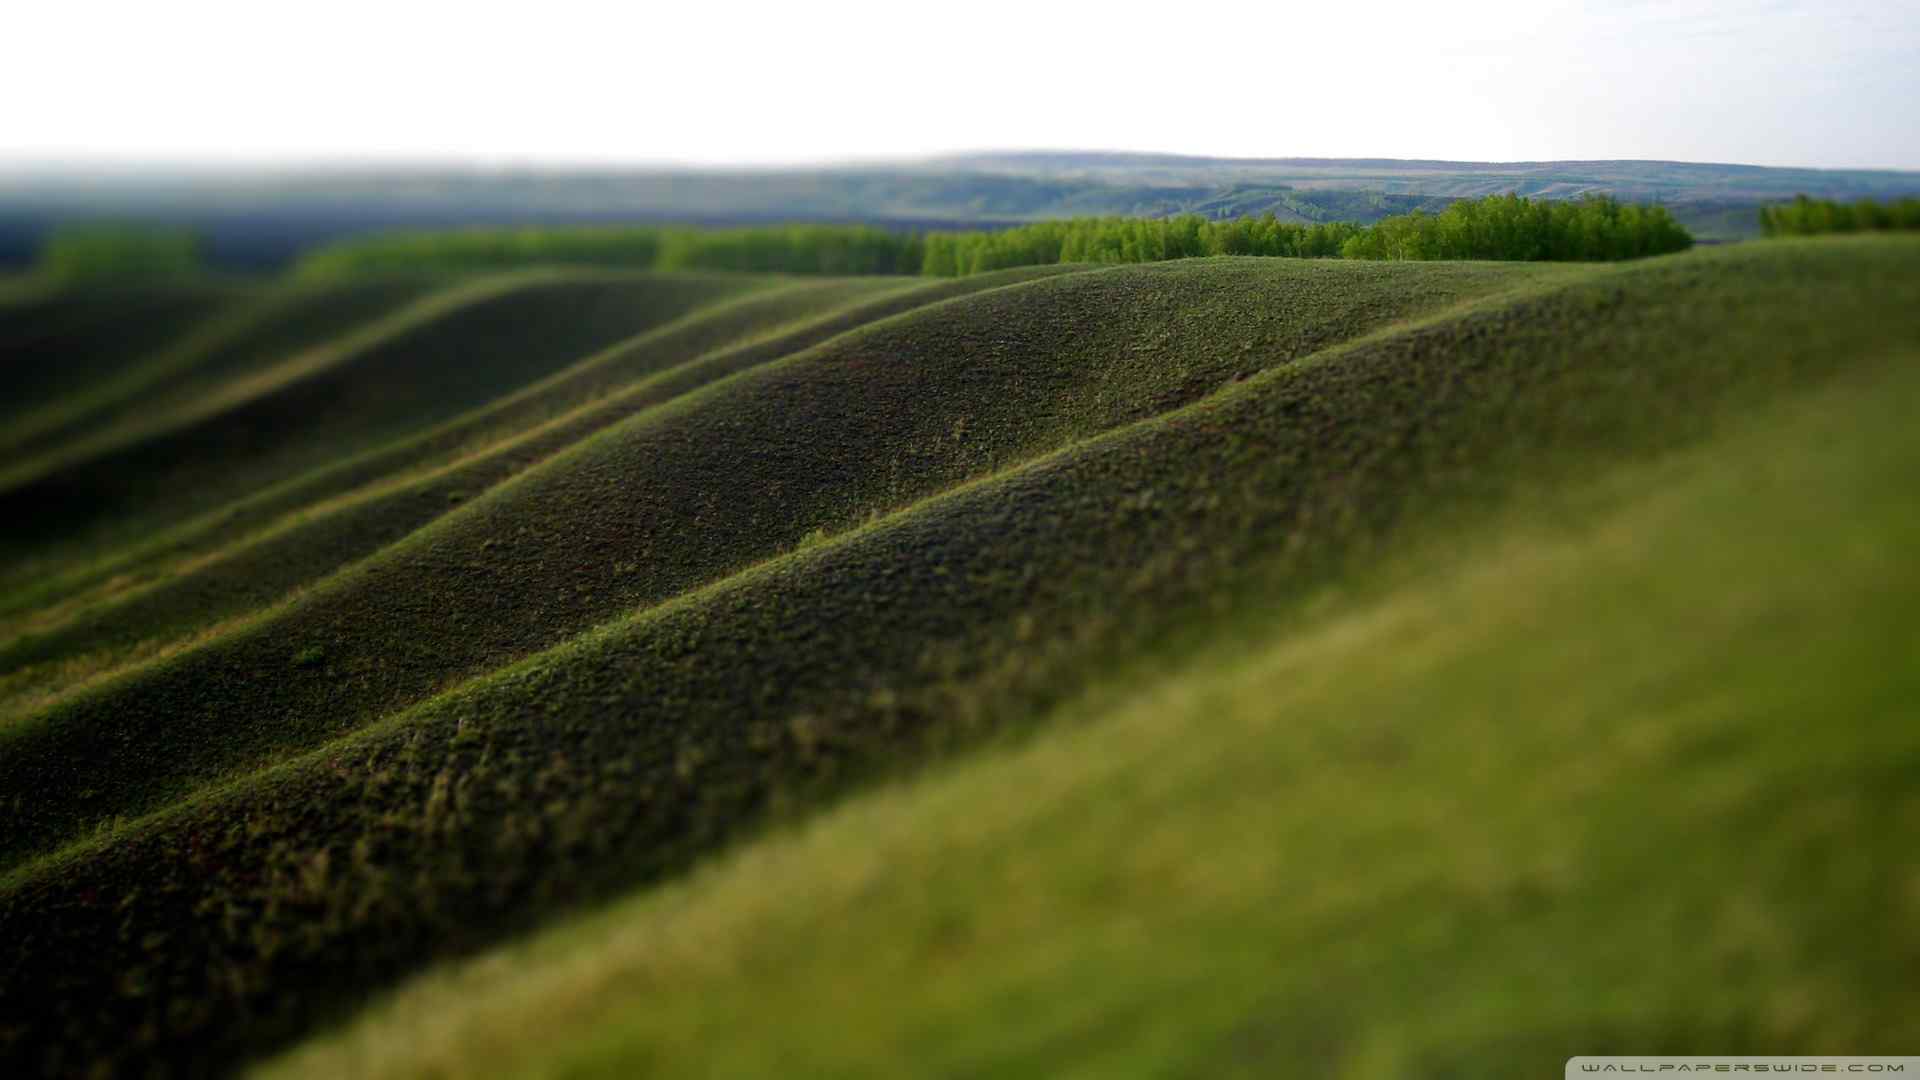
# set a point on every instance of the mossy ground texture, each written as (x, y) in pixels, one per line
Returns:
(1223, 666)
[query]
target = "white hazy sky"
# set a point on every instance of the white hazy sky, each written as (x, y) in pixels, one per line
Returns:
(1790, 82)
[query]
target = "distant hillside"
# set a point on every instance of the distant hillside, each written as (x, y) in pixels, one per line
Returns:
(1662, 180)
(264, 219)
(1716, 201)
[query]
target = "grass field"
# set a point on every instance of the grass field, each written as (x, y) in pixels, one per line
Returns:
(430, 363)
(1263, 661)
(192, 376)
(63, 348)
(1436, 828)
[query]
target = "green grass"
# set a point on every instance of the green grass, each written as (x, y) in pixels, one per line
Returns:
(689, 493)
(579, 380)
(73, 570)
(826, 566)
(57, 342)
(18, 287)
(402, 488)
(1503, 803)
(425, 365)
(278, 324)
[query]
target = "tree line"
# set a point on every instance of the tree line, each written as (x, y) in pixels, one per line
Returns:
(1498, 227)
(1811, 217)
(1128, 240)
(482, 249)
(781, 249)
(1508, 227)
(1503, 227)
(97, 251)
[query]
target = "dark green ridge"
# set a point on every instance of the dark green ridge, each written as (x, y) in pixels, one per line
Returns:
(59, 343)
(279, 324)
(597, 375)
(32, 581)
(688, 493)
(17, 290)
(270, 905)
(754, 311)
(490, 421)
(408, 382)
(766, 325)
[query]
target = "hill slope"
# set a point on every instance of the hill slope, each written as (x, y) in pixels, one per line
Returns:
(825, 564)
(451, 353)
(61, 344)
(679, 496)
(195, 371)
(1442, 829)
(251, 554)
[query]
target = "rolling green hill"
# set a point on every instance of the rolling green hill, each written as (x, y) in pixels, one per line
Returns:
(424, 364)
(1271, 658)
(61, 345)
(258, 551)
(192, 372)
(1435, 828)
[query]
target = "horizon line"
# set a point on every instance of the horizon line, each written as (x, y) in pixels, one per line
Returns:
(28, 162)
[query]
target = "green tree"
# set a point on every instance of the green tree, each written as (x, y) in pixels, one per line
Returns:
(116, 251)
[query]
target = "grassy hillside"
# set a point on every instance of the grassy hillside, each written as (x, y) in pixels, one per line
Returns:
(66, 342)
(343, 513)
(115, 410)
(427, 363)
(577, 380)
(682, 495)
(18, 287)
(1438, 828)
(771, 575)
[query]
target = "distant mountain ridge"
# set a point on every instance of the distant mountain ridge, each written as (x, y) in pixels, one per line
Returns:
(1673, 179)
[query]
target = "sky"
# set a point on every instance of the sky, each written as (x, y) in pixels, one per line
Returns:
(1833, 83)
